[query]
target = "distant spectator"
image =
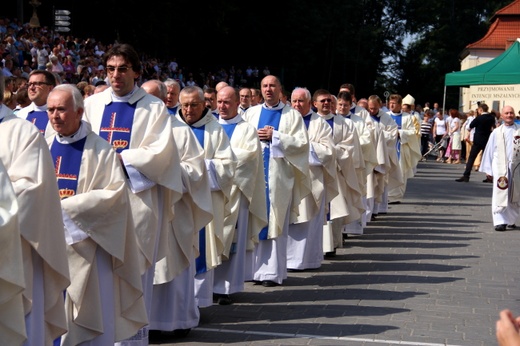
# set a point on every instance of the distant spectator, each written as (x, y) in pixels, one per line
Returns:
(9, 99)
(455, 144)
(81, 87)
(88, 91)
(22, 99)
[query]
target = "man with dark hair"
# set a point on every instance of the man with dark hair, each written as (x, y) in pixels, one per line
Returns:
(354, 108)
(210, 100)
(38, 88)
(483, 125)
(138, 127)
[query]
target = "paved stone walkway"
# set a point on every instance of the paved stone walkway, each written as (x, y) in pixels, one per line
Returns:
(430, 272)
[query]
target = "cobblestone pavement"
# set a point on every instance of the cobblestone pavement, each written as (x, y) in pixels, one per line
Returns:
(430, 272)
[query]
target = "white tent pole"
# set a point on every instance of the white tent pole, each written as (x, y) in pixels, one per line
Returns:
(444, 101)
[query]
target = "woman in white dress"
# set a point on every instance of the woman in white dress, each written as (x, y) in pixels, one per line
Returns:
(455, 137)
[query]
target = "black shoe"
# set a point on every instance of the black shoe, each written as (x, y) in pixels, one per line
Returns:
(223, 299)
(330, 254)
(373, 217)
(292, 270)
(487, 180)
(500, 228)
(154, 335)
(513, 226)
(269, 283)
(181, 333)
(463, 178)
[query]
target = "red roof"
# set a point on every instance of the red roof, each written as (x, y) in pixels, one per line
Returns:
(511, 9)
(504, 30)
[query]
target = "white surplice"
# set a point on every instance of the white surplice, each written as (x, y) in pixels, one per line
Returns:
(173, 301)
(288, 184)
(247, 205)
(29, 165)
(500, 159)
(104, 302)
(410, 152)
(153, 166)
(305, 236)
(12, 322)
(220, 163)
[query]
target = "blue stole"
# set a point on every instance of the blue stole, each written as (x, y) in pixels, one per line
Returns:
(2, 119)
(67, 160)
(268, 117)
(199, 133)
(173, 110)
(331, 122)
(399, 120)
(200, 262)
(353, 110)
(229, 128)
(116, 124)
(39, 119)
(375, 118)
(307, 120)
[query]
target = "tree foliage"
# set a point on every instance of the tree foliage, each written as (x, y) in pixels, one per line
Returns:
(441, 30)
(404, 46)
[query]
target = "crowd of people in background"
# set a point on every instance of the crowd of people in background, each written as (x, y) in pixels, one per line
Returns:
(80, 61)
(212, 179)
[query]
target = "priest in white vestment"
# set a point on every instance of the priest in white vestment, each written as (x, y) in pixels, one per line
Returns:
(376, 178)
(247, 205)
(501, 160)
(368, 146)
(138, 127)
(362, 152)
(408, 145)
(39, 86)
(305, 236)
(174, 308)
(347, 208)
(12, 323)
(285, 147)
(394, 176)
(104, 302)
(220, 164)
(28, 162)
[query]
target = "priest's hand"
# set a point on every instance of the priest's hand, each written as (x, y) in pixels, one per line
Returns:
(265, 134)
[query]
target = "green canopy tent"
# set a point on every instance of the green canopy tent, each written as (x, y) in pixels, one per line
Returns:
(504, 69)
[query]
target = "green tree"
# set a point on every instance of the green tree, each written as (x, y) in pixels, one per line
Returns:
(440, 30)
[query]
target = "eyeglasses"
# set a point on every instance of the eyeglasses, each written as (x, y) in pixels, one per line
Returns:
(326, 100)
(120, 69)
(37, 84)
(192, 105)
